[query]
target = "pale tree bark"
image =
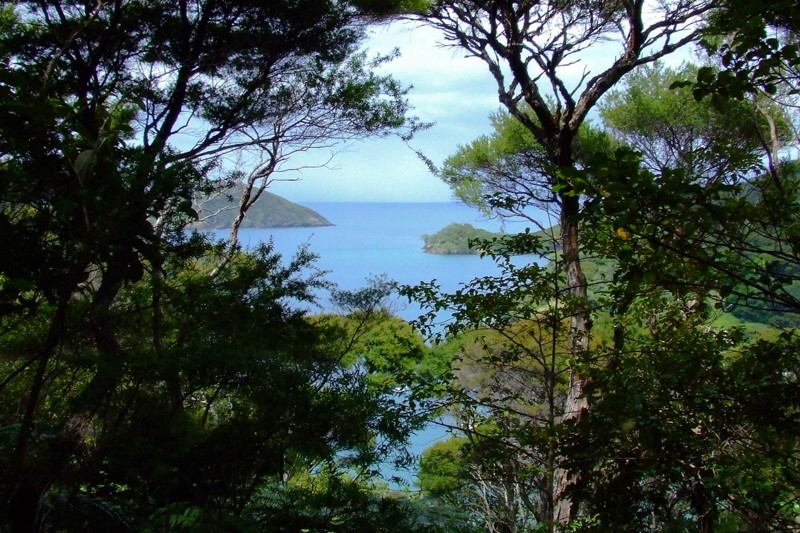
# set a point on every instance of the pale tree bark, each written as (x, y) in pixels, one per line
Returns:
(531, 48)
(771, 144)
(252, 189)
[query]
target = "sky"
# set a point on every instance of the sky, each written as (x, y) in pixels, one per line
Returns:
(456, 93)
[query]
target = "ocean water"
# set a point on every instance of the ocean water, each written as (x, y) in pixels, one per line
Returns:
(372, 239)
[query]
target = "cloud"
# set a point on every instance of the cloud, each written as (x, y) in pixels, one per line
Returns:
(444, 82)
(455, 92)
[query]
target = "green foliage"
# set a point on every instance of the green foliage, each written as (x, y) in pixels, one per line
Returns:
(738, 248)
(246, 392)
(151, 379)
(455, 239)
(671, 130)
(389, 8)
(756, 45)
(441, 468)
(509, 170)
(688, 242)
(669, 224)
(505, 352)
(674, 437)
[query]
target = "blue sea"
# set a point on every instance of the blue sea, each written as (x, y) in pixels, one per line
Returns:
(372, 239)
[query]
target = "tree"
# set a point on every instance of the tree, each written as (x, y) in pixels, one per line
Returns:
(706, 231)
(756, 46)
(674, 442)
(269, 399)
(527, 47)
(673, 433)
(673, 131)
(505, 380)
(115, 116)
(506, 173)
(685, 447)
(704, 166)
(459, 471)
(756, 53)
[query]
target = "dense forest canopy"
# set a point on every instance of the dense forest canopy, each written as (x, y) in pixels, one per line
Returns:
(644, 379)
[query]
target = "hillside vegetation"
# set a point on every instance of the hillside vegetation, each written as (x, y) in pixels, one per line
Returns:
(270, 211)
(454, 239)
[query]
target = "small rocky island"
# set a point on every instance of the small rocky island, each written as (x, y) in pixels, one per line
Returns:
(455, 239)
(270, 211)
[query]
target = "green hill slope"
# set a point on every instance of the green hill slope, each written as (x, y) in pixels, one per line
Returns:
(270, 211)
(454, 239)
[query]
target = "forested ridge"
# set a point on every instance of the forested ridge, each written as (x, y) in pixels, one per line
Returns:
(270, 211)
(644, 378)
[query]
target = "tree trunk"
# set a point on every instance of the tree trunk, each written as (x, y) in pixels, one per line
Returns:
(576, 403)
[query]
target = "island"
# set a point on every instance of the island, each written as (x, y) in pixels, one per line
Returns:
(454, 239)
(270, 211)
